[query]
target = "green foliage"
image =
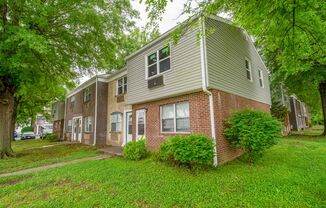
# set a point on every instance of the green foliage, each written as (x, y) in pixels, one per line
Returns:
(51, 137)
(279, 111)
(253, 131)
(27, 129)
(317, 118)
(135, 150)
(192, 150)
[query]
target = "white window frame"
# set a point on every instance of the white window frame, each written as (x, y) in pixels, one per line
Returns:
(249, 70)
(119, 121)
(157, 62)
(137, 116)
(174, 120)
(123, 84)
(261, 78)
(88, 121)
(87, 95)
(69, 126)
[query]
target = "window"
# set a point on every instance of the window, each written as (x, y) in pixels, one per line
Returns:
(140, 122)
(69, 126)
(260, 75)
(116, 122)
(248, 69)
(158, 62)
(122, 86)
(72, 101)
(88, 124)
(175, 117)
(87, 94)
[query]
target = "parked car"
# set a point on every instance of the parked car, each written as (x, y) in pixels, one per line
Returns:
(28, 135)
(15, 134)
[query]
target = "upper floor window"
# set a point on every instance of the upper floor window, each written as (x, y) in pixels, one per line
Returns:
(261, 78)
(248, 69)
(122, 86)
(72, 101)
(88, 124)
(116, 122)
(175, 117)
(87, 94)
(158, 62)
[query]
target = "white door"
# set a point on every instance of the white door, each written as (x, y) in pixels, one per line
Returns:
(128, 123)
(77, 129)
(140, 123)
(80, 129)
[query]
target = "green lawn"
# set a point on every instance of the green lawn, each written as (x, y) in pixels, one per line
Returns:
(292, 174)
(29, 154)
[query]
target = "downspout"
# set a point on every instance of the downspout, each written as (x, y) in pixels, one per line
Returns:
(203, 57)
(64, 120)
(95, 122)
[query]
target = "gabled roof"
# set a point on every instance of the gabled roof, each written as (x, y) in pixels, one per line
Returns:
(102, 78)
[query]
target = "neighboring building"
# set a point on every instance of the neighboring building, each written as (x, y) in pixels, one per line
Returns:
(42, 125)
(191, 88)
(58, 113)
(86, 110)
(299, 115)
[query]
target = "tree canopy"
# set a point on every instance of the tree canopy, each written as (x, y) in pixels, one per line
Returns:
(45, 44)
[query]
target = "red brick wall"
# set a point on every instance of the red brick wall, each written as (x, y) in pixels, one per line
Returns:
(224, 105)
(199, 117)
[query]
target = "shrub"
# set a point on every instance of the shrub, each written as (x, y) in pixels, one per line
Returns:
(190, 150)
(135, 150)
(253, 131)
(51, 137)
(27, 129)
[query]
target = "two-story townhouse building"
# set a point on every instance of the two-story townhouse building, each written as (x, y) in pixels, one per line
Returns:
(119, 118)
(192, 86)
(86, 110)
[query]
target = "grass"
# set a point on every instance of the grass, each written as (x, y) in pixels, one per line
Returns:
(29, 154)
(291, 174)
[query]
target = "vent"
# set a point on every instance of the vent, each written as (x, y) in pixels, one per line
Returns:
(120, 98)
(155, 82)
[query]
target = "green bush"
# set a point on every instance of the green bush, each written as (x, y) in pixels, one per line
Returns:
(192, 150)
(253, 131)
(27, 129)
(51, 137)
(135, 150)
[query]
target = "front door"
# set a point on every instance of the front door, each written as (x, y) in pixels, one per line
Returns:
(77, 129)
(128, 134)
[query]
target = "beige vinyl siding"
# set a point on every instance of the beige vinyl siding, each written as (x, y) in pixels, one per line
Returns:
(227, 48)
(183, 77)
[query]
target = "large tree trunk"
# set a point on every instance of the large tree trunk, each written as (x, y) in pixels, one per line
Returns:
(7, 111)
(322, 91)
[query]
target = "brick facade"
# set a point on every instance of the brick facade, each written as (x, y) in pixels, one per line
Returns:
(224, 105)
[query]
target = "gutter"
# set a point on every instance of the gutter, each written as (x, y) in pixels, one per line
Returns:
(203, 57)
(95, 122)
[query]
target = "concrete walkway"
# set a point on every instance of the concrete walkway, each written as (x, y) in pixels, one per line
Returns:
(31, 170)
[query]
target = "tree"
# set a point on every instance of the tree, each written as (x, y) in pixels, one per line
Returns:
(290, 35)
(46, 43)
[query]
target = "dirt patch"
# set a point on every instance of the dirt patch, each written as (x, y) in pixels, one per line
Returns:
(292, 135)
(294, 143)
(12, 182)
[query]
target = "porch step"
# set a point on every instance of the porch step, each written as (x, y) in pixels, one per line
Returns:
(112, 151)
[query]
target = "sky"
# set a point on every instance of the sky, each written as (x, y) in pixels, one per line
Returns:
(170, 18)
